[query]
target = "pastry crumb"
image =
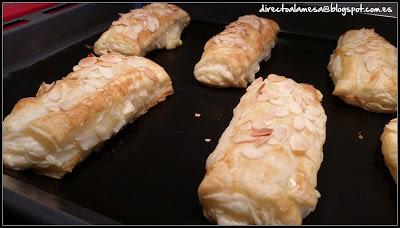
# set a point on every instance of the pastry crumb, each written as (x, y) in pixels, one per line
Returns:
(197, 114)
(207, 140)
(360, 136)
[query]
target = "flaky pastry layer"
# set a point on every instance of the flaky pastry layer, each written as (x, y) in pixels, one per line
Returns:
(363, 68)
(231, 58)
(389, 147)
(60, 127)
(264, 168)
(156, 25)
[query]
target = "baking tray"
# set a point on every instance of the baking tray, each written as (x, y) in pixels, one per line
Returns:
(149, 172)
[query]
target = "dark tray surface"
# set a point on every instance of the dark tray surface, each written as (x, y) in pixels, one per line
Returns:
(149, 172)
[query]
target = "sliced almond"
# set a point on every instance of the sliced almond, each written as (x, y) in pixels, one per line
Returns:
(76, 68)
(111, 58)
(150, 74)
(119, 29)
(295, 108)
(152, 24)
(243, 138)
(361, 49)
(89, 88)
(124, 21)
(261, 131)
(299, 123)
(277, 102)
(371, 63)
(261, 140)
(311, 127)
(132, 35)
(275, 78)
(279, 133)
(281, 113)
(298, 143)
(251, 152)
(106, 72)
(88, 61)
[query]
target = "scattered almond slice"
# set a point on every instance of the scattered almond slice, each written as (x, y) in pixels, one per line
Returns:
(124, 21)
(106, 72)
(299, 123)
(150, 74)
(207, 140)
(89, 88)
(277, 102)
(295, 108)
(279, 133)
(261, 131)
(298, 143)
(275, 78)
(243, 138)
(88, 61)
(152, 24)
(361, 49)
(282, 113)
(311, 127)
(262, 121)
(119, 29)
(371, 63)
(112, 58)
(105, 64)
(76, 68)
(261, 140)
(259, 90)
(251, 152)
(360, 136)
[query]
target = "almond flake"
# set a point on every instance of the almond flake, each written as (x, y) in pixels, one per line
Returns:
(111, 58)
(88, 61)
(251, 152)
(298, 143)
(295, 108)
(106, 72)
(371, 63)
(282, 113)
(299, 123)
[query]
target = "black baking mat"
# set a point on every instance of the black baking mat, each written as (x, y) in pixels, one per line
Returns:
(149, 172)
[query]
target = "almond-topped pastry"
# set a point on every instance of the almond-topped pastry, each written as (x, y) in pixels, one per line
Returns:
(156, 25)
(264, 168)
(54, 131)
(231, 58)
(363, 68)
(389, 147)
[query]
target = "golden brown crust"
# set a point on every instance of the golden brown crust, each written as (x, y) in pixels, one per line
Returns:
(264, 168)
(231, 58)
(157, 25)
(389, 147)
(364, 69)
(52, 132)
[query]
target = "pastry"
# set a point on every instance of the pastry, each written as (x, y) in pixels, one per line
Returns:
(363, 68)
(389, 147)
(264, 168)
(54, 131)
(231, 58)
(156, 25)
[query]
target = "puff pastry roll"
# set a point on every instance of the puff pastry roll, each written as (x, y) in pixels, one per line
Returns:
(231, 58)
(157, 25)
(363, 68)
(389, 147)
(264, 168)
(60, 127)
